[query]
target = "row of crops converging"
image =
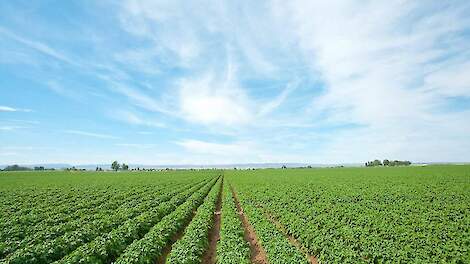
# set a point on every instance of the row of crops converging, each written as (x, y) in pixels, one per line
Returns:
(265, 216)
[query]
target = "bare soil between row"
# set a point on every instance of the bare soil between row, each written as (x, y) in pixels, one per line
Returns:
(210, 256)
(167, 249)
(312, 259)
(258, 254)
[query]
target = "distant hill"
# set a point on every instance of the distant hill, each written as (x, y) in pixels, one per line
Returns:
(217, 166)
(184, 166)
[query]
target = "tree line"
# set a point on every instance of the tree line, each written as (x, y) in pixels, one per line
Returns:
(17, 167)
(116, 166)
(387, 163)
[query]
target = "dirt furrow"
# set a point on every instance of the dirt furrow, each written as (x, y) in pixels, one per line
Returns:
(210, 256)
(258, 254)
(167, 249)
(292, 239)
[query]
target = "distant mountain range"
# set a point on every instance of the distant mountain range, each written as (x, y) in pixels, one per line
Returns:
(185, 166)
(217, 166)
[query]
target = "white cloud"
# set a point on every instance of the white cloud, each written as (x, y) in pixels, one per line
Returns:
(215, 54)
(373, 58)
(140, 99)
(210, 101)
(202, 147)
(90, 134)
(204, 152)
(453, 80)
(39, 46)
(137, 145)
(58, 88)
(10, 128)
(21, 121)
(8, 154)
(132, 118)
(11, 109)
(142, 18)
(276, 102)
(145, 133)
(385, 68)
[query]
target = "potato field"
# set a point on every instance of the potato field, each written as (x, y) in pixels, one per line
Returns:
(276, 216)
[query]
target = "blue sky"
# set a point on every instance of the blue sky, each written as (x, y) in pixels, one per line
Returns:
(205, 82)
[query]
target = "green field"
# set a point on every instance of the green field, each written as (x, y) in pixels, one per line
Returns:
(331, 215)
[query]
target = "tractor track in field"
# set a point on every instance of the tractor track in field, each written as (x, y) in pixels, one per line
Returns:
(210, 256)
(312, 259)
(258, 254)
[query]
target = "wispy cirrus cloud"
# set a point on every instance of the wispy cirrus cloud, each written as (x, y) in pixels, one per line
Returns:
(11, 128)
(265, 80)
(4, 108)
(134, 118)
(207, 152)
(90, 134)
(38, 46)
(137, 145)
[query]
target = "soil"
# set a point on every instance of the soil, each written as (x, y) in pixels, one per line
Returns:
(258, 254)
(167, 249)
(292, 239)
(210, 256)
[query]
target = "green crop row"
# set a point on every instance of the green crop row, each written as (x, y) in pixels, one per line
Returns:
(191, 247)
(49, 208)
(231, 248)
(54, 214)
(278, 248)
(63, 223)
(379, 215)
(108, 247)
(150, 247)
(30, 203)
(58, 247)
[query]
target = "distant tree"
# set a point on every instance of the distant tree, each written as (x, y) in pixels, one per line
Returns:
(115, 165)
(387, 162)
(124, 166)
(376, 163)
(283, 167)
(40, 168)
(16, 168)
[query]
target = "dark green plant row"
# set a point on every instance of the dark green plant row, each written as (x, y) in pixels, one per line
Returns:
(106, 248)
(46, 231)
(150, 247)
(278, 248)
(373, 215)
(58, 247)
(25, 201)
(29, 213)
(46, 211)
(191, 247)
(232, 247)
